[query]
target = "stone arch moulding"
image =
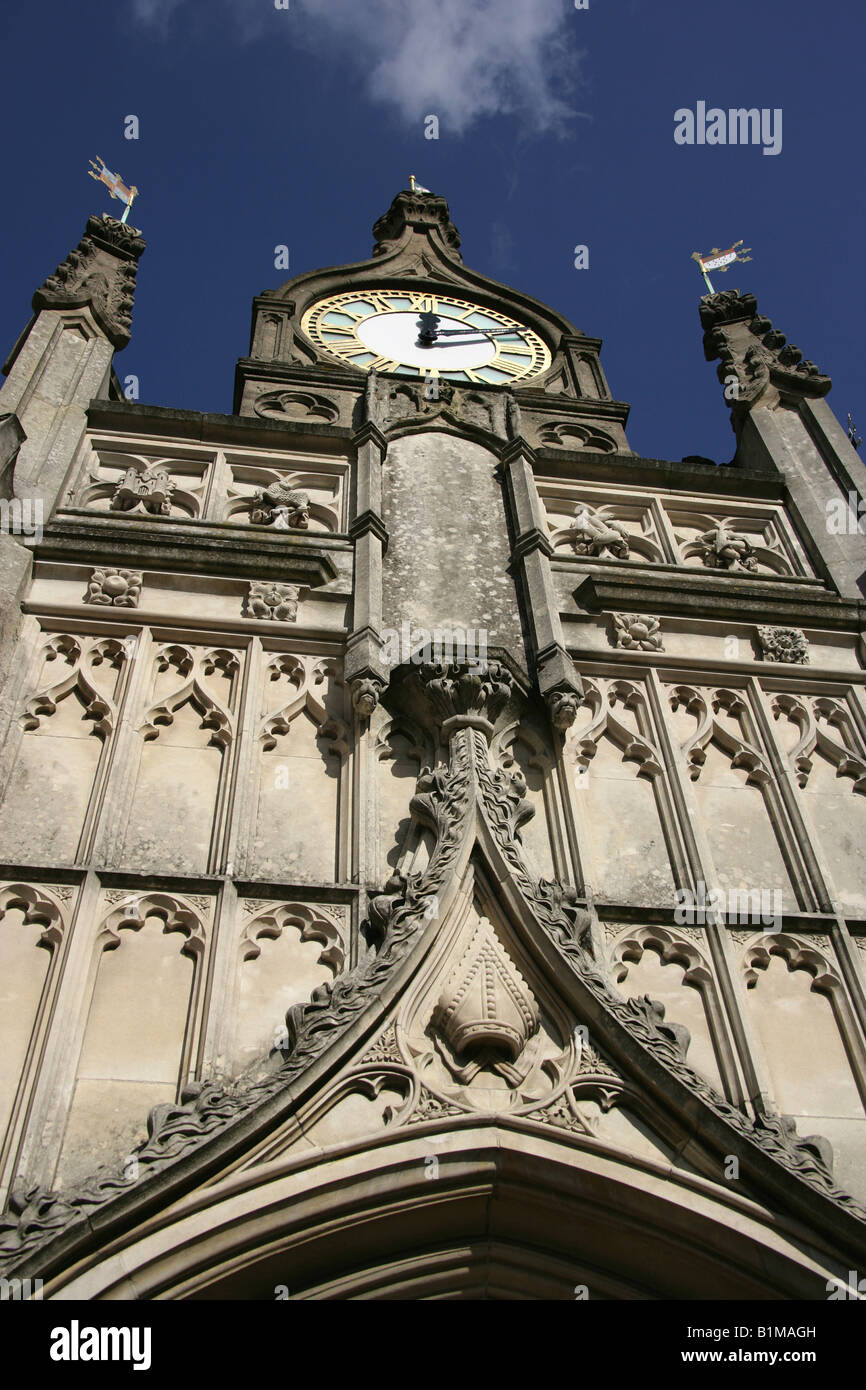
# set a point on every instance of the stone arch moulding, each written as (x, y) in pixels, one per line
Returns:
(744, 752)
(177, 915)
(270, 921)
(333, 1229)
(99, 701)
(39, 909)
(471, 807)
(799, 953)
(675, 949)
(815, 716)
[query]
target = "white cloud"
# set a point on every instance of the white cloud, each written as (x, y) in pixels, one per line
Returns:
(460, 60)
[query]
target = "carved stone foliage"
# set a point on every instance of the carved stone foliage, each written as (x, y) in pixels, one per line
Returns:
(462, 696)
(116, 588)
(282, 506)
(752, 350)
(593, 533)
(296, 405)
(100, 273)
(784, 644)
(390, 404)
(148, 490)
(637, 632)
(274, 602)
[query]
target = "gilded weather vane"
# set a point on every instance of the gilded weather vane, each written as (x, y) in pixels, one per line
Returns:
(114, 183)
(719, 260)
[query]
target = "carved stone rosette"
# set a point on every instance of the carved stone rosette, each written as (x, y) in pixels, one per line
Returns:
(637, 632)
(114, 587)
(276, 602)
(784, 644)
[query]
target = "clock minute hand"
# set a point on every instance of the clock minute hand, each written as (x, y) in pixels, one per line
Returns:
(482, 332)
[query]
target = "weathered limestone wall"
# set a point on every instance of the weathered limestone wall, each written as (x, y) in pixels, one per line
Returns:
(448, 554)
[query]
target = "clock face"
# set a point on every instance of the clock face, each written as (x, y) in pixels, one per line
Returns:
(377, 330)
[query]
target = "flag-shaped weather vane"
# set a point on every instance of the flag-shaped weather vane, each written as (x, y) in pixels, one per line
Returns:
(719, 260)
(114, 183)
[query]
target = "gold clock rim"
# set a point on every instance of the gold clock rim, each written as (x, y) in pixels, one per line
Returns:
(541, 361)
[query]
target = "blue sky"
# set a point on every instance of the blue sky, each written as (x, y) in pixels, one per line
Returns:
(297, 126)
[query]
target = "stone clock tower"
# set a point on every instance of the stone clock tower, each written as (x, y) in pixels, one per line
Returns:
(431, 840)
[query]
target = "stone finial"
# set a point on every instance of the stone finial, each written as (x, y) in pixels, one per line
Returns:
(784, 644)
(98, 274)
(276, 602)
(756, 360)
(415, 212)
(637, 632)
(114, 587)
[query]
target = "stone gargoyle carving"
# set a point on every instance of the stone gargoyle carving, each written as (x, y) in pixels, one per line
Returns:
(722, 549)
(150, 489)
(279, 505)
(592, 534)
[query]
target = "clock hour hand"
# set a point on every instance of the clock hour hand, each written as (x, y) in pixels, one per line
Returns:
(429, 331)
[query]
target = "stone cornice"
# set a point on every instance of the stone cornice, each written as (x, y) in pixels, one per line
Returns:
(717, 597)
(588, 465)
(194, 547)
(217, 430)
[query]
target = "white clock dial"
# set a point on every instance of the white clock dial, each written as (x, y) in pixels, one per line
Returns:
(378, 330)
(396, 336)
